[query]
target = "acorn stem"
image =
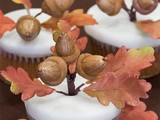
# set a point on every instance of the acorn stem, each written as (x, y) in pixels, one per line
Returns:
(38, 14)
(70, 83)
(131, 12)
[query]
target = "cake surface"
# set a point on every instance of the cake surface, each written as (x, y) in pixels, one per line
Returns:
(12, 43)
(118, 30)
(60, 107)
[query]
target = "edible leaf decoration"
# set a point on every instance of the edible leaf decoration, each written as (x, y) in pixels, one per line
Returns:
(74, 18)
(79, 18)
(50, 24)
(118, 82)
(21, 83)
(137, 113)
(118, 89)
(6, 24)
(132, 61)
(26, 3)
(150, 27)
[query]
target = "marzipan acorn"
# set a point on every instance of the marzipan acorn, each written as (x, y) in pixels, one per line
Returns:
(66, 49)
(145, 6)
(52, 70)
(89, 66)
(28, 27)
(56, 8)
(111, 7)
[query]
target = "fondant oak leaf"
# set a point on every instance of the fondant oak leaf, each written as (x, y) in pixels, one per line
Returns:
(6, 24)
(150, 27)
(26, 3)
(132, 61)
(79, 18)
(50, 24)
(21, 83)
(137, 113)
(118, 89)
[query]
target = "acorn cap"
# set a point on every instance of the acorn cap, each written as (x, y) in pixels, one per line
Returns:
(89, 66)
(52, 70)
(28, 27)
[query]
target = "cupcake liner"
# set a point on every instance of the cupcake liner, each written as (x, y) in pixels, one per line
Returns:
(100, 48)
(104, 49)
(28, 64)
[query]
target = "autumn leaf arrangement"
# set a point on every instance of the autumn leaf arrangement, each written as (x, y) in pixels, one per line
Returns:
(144, 7)
(113, 78)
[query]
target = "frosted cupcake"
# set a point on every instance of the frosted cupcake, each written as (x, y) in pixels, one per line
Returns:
(115, 30)
(29, 44)
(18, 52)
(59, 107)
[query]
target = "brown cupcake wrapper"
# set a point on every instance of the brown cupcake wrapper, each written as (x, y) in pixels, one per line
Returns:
(28, 64)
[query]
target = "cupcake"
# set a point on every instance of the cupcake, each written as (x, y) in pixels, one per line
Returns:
(60, 107)
(113, 31)
(27, 54)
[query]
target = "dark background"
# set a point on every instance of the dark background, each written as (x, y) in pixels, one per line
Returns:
(11, 106)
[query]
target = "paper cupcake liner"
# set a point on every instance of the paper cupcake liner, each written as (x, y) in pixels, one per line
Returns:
(28, 64)
(104, 49)
(99, 48)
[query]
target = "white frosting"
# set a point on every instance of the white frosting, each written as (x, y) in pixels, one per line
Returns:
(118, 30)
(11, 42)
(60, 107)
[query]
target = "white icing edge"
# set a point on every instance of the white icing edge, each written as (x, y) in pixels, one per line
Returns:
(59, 107)
(39, 47)
(118, 30)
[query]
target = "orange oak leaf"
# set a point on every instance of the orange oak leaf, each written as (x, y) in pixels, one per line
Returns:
(118, 82)
(137, 113)
(50, 24)
(118, 89)
(6, 24)
(79, 18)
(26, 3)
(132, 61)
(21, 83)
(150, 27)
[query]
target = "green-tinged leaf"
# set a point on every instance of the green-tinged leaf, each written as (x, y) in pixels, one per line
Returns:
(118, 89)
(21, 83)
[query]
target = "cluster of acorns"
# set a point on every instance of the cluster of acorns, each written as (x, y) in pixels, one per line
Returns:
(112, 7)
(28, 27)
(53, 70)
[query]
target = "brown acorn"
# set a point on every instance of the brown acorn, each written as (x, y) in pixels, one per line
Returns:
(89, 66)
(28, 27)
(56, 8)
(66, 49)
(111, 7)
(52, 70)
(145, 6)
